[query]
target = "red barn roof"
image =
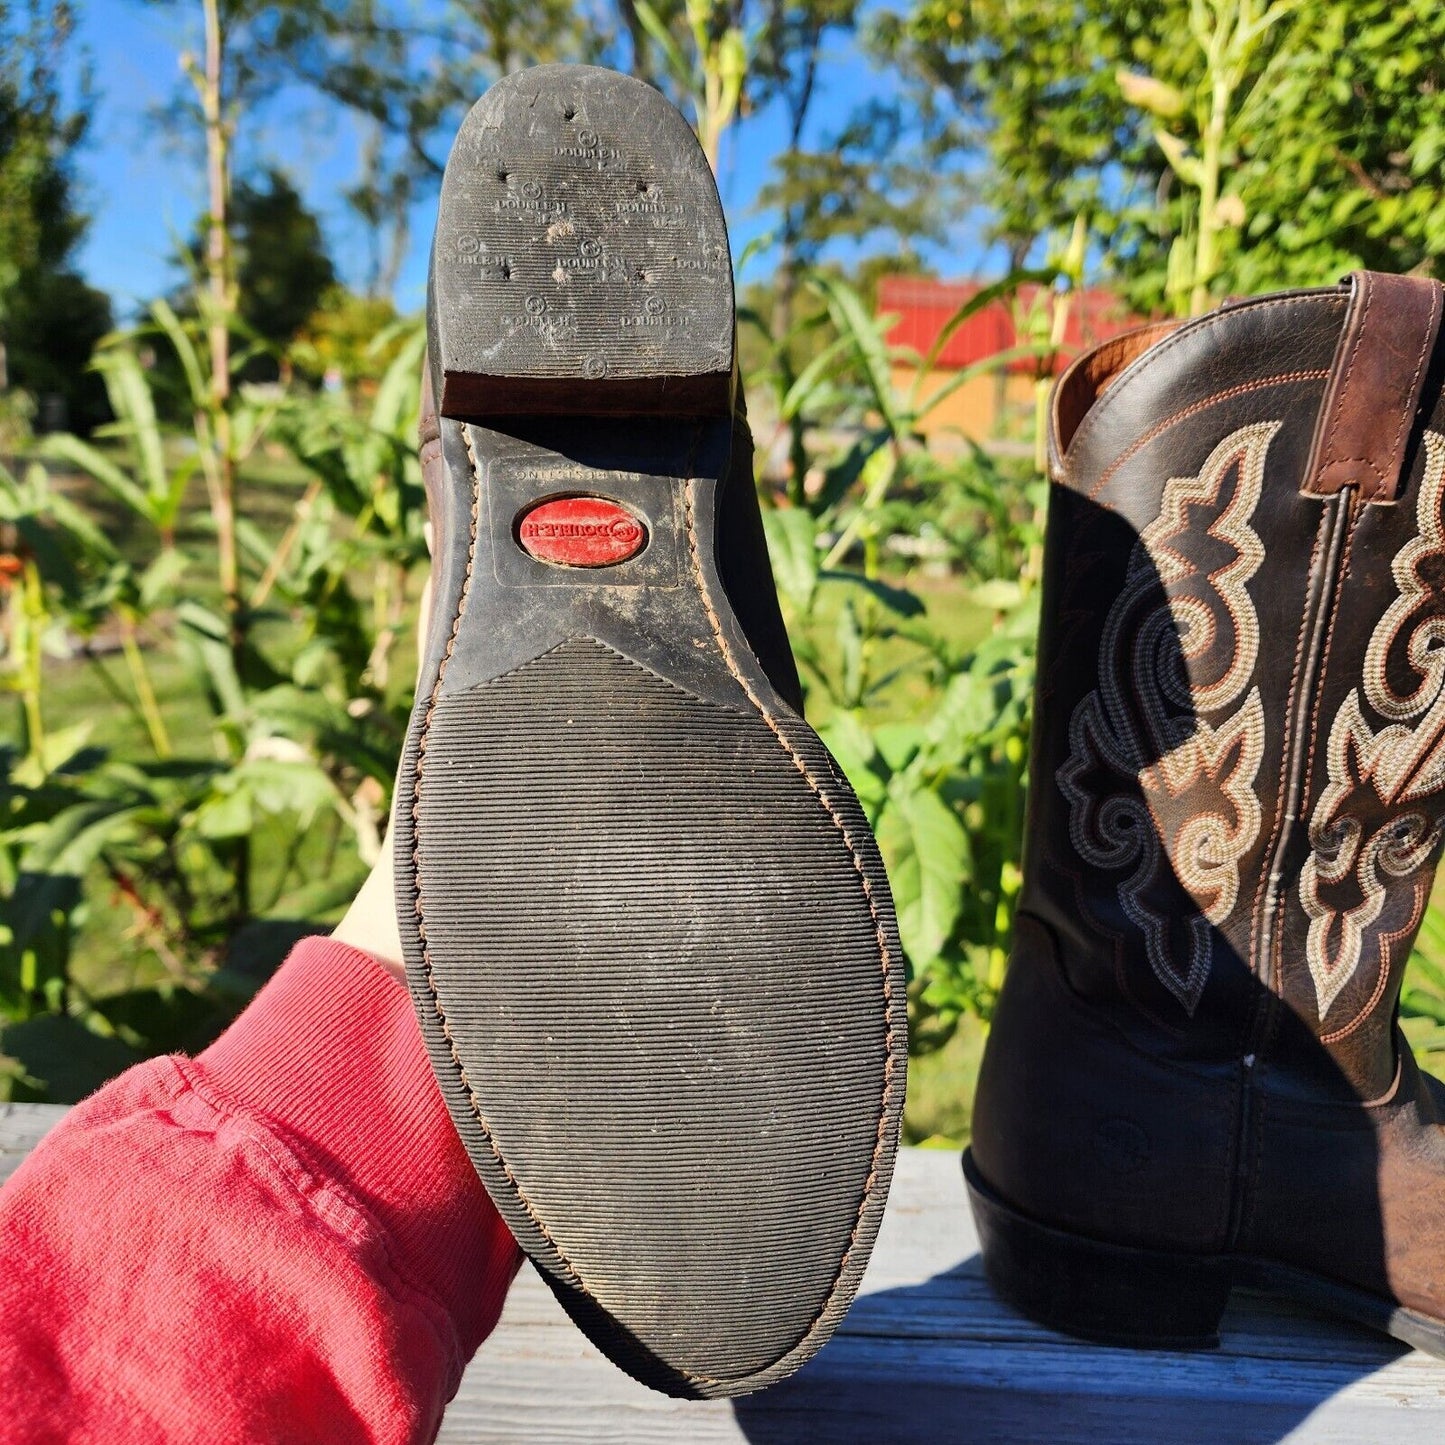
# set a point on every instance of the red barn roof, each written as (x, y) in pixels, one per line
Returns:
(924, 307)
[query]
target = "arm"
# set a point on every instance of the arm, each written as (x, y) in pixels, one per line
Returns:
(280, 1240)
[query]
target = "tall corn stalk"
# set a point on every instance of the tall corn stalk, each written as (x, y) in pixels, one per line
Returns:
(1200, 132)
(712, 75)
(217, 304)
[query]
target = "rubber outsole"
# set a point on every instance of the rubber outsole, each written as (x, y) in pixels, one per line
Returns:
(580, 240)
(1115, 1294)
(648, 934)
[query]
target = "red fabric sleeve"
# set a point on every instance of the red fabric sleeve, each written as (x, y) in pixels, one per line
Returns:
(281, 1240)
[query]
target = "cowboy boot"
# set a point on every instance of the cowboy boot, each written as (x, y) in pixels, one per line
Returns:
(647, 932)
(1195, 1076)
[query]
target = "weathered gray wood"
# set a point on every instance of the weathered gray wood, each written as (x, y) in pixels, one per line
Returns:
(927, 1354)
(22, 1127)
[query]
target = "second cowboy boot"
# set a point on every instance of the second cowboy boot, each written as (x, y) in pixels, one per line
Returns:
(1195, 1077)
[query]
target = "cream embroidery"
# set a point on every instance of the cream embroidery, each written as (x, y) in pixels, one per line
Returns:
(1399, 769)
(1180, 641)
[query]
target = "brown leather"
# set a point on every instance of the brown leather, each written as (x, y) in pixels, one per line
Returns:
(1374, 391)
(1089, 376)
(1237, 801)
(429, 439)
(746, 570)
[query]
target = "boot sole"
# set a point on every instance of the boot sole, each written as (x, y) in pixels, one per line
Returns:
(648, 934)
(1113, 1294)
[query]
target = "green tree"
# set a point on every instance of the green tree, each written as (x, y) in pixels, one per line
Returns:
(857, 181)
(1354, 174)
(1326, 154)
(280, 265)
(349, 336)
(409, 73)
(1028, 91)
(1205, 132)
(49, 318)
(53, 323)
(282, 269)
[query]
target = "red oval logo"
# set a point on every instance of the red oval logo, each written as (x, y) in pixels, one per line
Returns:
(581, 532)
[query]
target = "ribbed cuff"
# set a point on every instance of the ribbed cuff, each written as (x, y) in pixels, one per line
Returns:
(330, 1051)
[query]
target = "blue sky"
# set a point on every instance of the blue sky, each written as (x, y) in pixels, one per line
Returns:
(144, 189)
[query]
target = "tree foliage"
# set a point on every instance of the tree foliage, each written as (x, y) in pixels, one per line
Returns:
(1351, 169)
(408, 73)
(50, 318)
(39, 223)
(1332, 157)
(282, 269)
(1028, 88)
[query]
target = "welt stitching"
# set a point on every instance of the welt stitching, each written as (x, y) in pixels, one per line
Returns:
(418, 770)
(1242, 390)
(889, 1041)
(1155, 352)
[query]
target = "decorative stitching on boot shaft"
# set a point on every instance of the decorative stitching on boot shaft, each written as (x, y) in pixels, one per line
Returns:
(1177, 793)
(1398, 770)
(1231, 393)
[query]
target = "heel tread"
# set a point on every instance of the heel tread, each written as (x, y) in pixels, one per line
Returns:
(580, 243)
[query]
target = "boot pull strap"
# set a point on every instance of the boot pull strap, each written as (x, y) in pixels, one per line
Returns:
(1375, 384)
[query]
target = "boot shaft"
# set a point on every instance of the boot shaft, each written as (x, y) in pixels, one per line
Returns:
(1239, 755)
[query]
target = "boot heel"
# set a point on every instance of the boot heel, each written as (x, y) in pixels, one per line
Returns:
(1108, 1293)
(581, 258)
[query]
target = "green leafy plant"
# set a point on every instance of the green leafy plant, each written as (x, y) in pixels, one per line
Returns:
(930, 728)
(207, 849)
(1200, 133)
(706, 58)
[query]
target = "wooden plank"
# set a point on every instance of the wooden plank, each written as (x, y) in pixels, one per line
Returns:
(927, 1354)
(22, 1127)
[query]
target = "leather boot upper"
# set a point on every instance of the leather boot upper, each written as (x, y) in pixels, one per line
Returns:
(1237, 791)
